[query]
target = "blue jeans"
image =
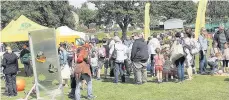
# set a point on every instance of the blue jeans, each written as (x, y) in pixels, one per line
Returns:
(78, 85)
(203, 62)
(180, 68)
(94, 70)
(119, 70)
(213, 66)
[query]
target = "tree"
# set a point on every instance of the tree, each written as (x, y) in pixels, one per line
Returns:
(217, 10)
(46, 13)
(86, 15)
(123, 13)
(185, 10)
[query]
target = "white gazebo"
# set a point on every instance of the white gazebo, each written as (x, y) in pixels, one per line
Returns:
(66, 31)
(173, 24)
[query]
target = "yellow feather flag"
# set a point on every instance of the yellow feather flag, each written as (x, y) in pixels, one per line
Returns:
(147, 21)
(200, 18)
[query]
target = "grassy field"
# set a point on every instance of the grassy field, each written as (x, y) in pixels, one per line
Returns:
(202, 87)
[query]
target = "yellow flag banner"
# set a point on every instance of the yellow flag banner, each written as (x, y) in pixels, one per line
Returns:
(147, 21)
(200, 18)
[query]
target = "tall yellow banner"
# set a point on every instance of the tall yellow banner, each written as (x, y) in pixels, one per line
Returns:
(147, 21)
(200, 18)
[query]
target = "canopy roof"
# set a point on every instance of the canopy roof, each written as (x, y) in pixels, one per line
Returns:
(18, 30)
(8, 26)
(66, 31)
(213, 25)
(173, 24)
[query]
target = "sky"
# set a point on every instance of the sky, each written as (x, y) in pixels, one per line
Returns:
(78, 3)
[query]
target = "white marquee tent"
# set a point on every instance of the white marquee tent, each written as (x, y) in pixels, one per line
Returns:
(66, 31)
(173, 24)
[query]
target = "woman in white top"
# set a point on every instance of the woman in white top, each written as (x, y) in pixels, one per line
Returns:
(188, 45)
(118, 52)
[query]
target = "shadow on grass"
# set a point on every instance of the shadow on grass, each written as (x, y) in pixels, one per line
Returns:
(22, 72)
(3, 91)
(82, 97)
(227, 79)
(128, 80)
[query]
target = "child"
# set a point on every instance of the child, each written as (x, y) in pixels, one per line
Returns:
(167, 67)
(215, 51)
(226, 58)
(212, 62)
(101, 56)
(158, 63)
(94, 63)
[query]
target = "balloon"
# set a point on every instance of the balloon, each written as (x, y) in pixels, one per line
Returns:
(20, 83)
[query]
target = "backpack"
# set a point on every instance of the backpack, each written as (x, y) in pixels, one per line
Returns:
(114, 54)
(102, 52)
(196, 48)
(83, 53)
(26, 58)
(144, 52)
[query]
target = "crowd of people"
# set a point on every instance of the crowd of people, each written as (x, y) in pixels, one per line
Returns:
(166, 56)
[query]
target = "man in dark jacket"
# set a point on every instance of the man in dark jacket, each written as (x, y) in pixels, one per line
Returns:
(139, 57)
(221, 37)
(25, 54)
(10, 64)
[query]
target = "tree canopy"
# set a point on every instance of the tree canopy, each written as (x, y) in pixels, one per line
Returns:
(47, 13)
(217, 11)
(86, 15)
(122, 12)
(185, 10)
(132, 12)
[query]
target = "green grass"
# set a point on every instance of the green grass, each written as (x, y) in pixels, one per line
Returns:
(202, 87)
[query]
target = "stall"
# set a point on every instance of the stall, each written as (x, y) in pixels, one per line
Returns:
(66, 34)
(18, 30)
(173, 24)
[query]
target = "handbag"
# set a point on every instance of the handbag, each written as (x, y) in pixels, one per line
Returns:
(177, 51)
(196, 48)
(65, 72)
